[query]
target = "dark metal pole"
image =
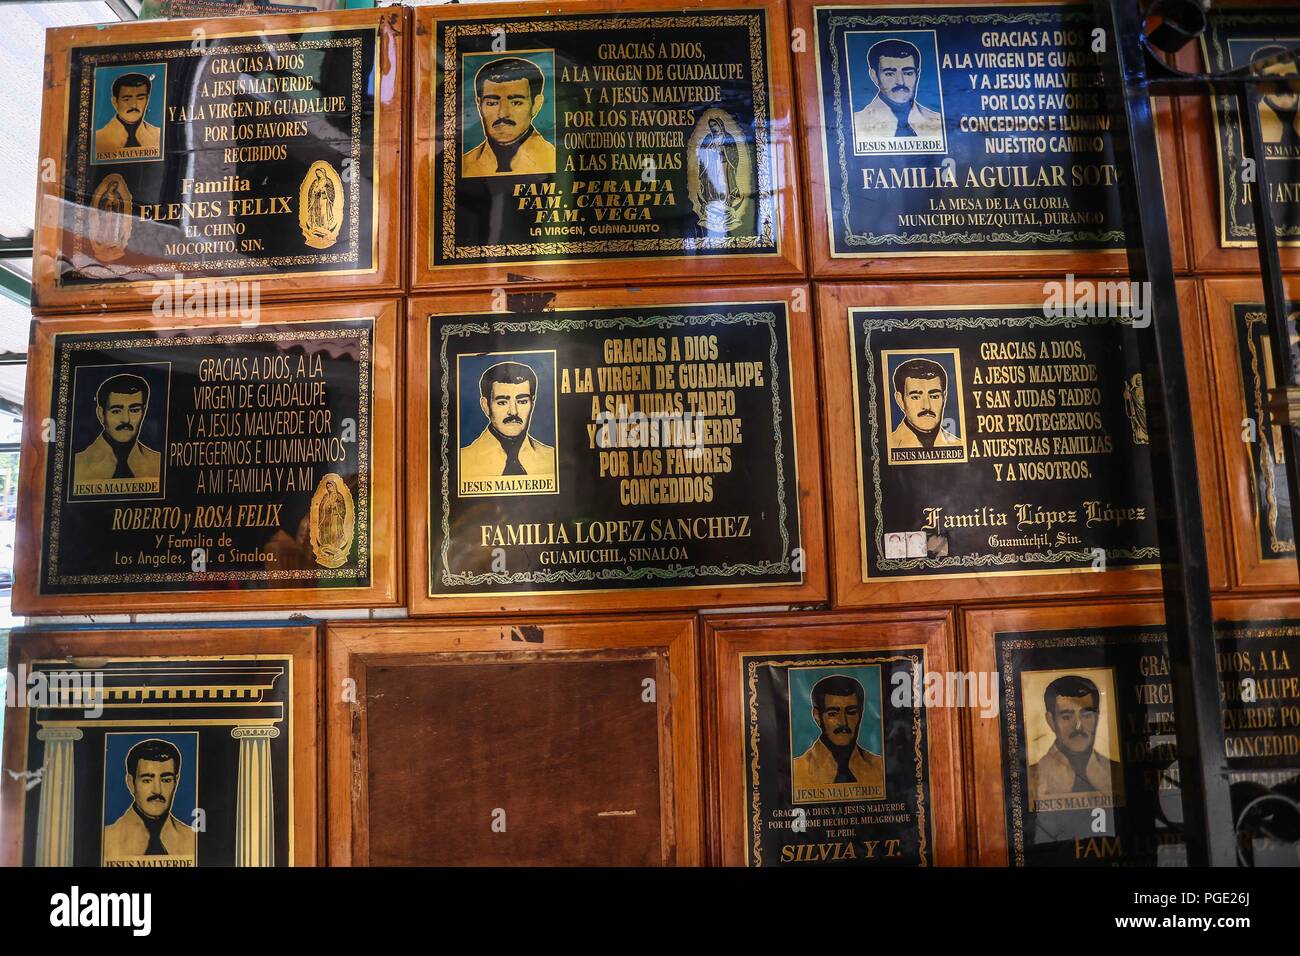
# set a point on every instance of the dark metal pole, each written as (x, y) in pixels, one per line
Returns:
(1203, 766)
(1275, 303)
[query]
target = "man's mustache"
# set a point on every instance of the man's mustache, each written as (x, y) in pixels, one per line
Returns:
(157, 796)
(926, 414)
(503, 121)
(899, 89)
(841, 730)
(124, 427)
(512, 420)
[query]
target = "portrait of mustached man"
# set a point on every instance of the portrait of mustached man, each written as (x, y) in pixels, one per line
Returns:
(507, 396)
(509, 93)
(127, 134)
(895, 67)
(117, 451)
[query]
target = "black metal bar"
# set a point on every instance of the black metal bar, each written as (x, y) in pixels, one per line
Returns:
(1287, 371)
(1202, 762)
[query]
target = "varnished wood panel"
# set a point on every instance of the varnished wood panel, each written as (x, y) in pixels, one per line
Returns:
(516, 741)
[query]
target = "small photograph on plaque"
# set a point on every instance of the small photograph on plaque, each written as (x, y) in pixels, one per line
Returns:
(116, 416)
(580, 448)
(924, 387)
(265, 150)
(162, 748)
(890, 84)
(602, 135)
(126, 115)
(207, 460)
(1070, 727)
(506, 433)
(509, 114)
(836, 733)
(826, 745)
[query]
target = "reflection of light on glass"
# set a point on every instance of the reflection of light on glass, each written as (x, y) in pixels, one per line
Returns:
(20, 109)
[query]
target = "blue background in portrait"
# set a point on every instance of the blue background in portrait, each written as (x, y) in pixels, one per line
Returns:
(1240, 51)
(85, 424)
(865, 222)
(803, 726)
(117, 798)
(952, 407)
(863, 91)
(470, 64)
(104, 77)
(471, 419)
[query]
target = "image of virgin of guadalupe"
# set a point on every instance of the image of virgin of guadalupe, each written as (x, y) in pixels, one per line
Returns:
(331, 522)
(719, 174)
(110, 218)
(320, 203)
(718, 159)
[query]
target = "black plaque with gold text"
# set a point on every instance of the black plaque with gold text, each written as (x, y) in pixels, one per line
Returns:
(602, 136)
(998, 441)
(605, 449)
(1089, 749)
(233, 155)
(202, 459)
(836, 761)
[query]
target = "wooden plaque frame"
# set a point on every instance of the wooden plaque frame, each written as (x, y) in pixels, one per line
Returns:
(389, 236)
(1249, 568)
(1199, 152)
(827, 265)
(841, 452)
(727, 638)
(808, 464)
(787, 262)
(386, 529)
(352, 648)
(979, 626)
(182, 642)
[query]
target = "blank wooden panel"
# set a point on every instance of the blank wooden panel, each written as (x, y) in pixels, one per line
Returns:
(567, 748)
